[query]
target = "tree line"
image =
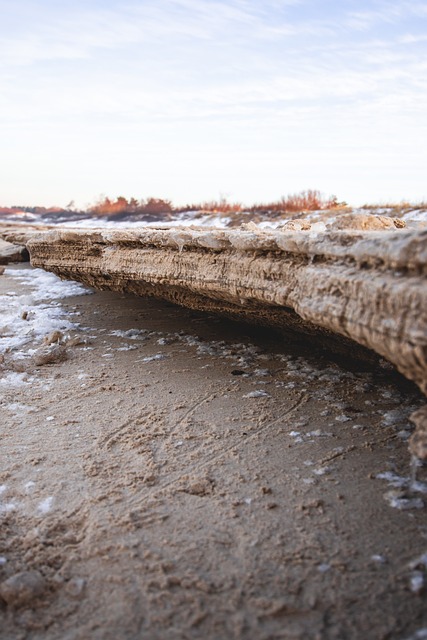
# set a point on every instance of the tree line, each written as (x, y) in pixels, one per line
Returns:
(309, 200)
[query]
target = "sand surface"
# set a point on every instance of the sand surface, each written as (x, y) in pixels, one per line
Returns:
(174, 475)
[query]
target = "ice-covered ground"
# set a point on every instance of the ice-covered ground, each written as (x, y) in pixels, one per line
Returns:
(28, 315)
(318, 219)
(183, 220)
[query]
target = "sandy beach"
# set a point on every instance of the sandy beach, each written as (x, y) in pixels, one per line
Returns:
(170, 474)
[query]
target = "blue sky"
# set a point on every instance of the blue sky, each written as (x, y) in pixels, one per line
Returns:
(197, 99)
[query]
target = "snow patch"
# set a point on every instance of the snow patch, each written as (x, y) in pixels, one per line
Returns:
(15, 379)
(47, 286)
(33, 315)
(131, 334)
(158, 356)
(259, 393)
(7, 507)
(45, 505)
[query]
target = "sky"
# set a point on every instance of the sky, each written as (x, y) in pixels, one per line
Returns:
(193, 100)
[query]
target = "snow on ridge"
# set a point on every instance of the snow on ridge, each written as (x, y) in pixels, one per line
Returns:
(318, 219)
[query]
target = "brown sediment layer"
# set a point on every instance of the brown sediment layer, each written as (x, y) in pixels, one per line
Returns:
(369, 287)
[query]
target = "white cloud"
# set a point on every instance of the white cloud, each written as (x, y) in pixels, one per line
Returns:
(230, 87)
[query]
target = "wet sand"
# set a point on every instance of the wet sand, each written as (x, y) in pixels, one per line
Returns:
(181, 476)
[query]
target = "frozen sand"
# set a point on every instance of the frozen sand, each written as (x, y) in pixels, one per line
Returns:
(179, 476)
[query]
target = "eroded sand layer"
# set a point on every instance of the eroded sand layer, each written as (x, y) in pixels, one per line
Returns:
(367, 286)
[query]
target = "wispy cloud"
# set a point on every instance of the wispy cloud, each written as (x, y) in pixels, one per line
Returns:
(385, 12)
(77, 32)
(257, 78)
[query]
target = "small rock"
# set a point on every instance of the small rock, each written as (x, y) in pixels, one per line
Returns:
(75, 587)
(10, 252)
(250, 226)
(199, 486)
(295, 225)
(53, 337)
(23, 588)
(418, 440)
(364, 222)
(399, 223)
(75, 341)
(50, 354)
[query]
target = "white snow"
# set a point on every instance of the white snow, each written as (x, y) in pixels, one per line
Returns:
(7, 507)
(18, 408)
(420, 634)
(418, 215)
(402, 502)
(342, 418)
(321, 471)
(420, 561)
(394, 416)
(416, 583)
(45, 505)
(318, 434)
(28, 486)
(402, 481)
(158, 356)
(131, 334)
(378, 558)
(259, 393)
(214, 219)
(47, 286)
(187, 219)
(324, 567)
(14, 379)
(31, 315)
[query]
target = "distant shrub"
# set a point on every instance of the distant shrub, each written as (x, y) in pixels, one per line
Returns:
(121, 206)
(394, 208)
(157, 208)
(213, 206)
(310, 200)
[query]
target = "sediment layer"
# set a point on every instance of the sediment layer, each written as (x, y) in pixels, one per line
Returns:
(366, 286)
